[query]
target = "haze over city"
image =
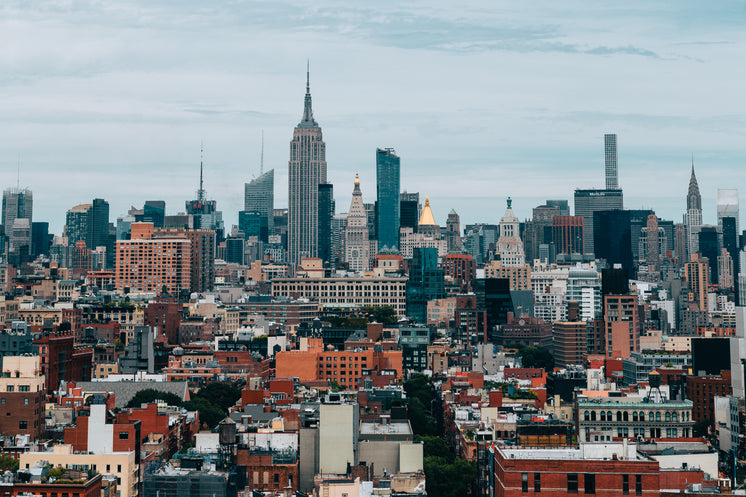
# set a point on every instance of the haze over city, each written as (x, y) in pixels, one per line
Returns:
(481, 102)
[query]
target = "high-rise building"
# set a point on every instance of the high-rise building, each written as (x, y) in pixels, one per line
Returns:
(17, 203)
(653, 248)
(357, 246)
(697, 275)
(709, 247)
(307, 170)
(509, 245)
(40, 241)
(154, 211)
(589, 201)
(425, 283)
(725, 270)
(610, 162)
(148, 264)
(538, 230)
(569, 342)
(727, 205)
(205, 214)
(613, 240)
(568, 234)
(201, 255)
(453, 231)
(259, 196)
(621, 323)
(388, 201)
(584, 287)
(693, 216)
(409, 211)
(326, 216)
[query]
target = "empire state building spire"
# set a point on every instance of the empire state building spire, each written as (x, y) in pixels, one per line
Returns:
(308, 120)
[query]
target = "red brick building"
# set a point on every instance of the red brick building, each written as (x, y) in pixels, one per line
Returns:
(701, 390)
(592, 469)
(165, 314)
(462, 268)
(61, 359)
(568, 233)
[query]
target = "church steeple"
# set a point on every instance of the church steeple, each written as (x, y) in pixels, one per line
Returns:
(693, 198)
(308, 120)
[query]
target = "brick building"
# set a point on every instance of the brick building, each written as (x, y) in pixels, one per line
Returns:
(591, 469)
(148, 264)
(524, 330)
(165, 314)
(701, 390)
(462, 268)
(23, 395)
(61, 359)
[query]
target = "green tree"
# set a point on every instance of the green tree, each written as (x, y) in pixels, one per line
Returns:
(385, 314)
(536, 357)
(449, 479)
(150, 395)
(220, 395)
(8, 463)
(434, 446)
(209, 414)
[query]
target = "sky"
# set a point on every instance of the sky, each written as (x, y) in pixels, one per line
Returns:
(481, 100)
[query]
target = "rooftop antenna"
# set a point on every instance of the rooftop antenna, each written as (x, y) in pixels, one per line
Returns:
(261, 162)
(201, 192)
(18, 180)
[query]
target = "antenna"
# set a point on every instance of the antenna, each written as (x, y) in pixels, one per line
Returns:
(308, 75)
(18, 180)
(261, 162)
(201, 191)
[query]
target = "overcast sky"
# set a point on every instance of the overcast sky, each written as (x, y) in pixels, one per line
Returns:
(481, 101)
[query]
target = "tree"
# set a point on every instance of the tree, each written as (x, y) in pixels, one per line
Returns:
(220, 395)
(209, 414)
(449, 479)
(8, 463)
(385, 314)
(150, 395)
(434, 446)
(536, 357)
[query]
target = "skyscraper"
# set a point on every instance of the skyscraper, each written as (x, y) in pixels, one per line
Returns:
(728, 205)
(610, 162)
(17, 203)
(693, 216)
(509, 245)
(409, 211)
(204, 212)
(357, 246)
(453, 231)
(589, 201)
(306, 171)
(259, 196)
(326, 215)
(387, 197)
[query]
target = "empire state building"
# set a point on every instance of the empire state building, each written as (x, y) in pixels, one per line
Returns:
(306, 171)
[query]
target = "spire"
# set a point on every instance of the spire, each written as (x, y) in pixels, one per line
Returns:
(308, 121)
(356, 190)
(427, 218)
(510, 203)
(693, 198)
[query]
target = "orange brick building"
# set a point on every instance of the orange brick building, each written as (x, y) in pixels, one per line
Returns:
(147, 264)
(346, 367)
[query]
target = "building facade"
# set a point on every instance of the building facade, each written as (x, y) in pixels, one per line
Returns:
(387, 197)
(306, 170)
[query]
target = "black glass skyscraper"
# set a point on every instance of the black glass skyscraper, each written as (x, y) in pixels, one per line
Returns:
(613, 238)
(409, 211)
(326, 213)
(426, 282)
(710, 248)
(387, 197)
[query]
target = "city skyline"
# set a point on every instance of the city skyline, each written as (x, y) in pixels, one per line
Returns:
(134, 95)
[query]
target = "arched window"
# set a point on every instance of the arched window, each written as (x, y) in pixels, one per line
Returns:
(625, 416)
(675, 416)
(593, 415)
(668, 416)
(586, 415)
(658, 416)
(618, 415)
(634, 417)
(608, 416)
(642, 416)
(603, 416)
(651, 416)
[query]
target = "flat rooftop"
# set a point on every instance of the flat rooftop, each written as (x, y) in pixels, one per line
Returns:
(585, 452)
(381, 429)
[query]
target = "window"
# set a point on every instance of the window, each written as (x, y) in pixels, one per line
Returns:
(625, 484)
(276, 479)
(537, 482)
(24, 388)
(10, 388)
(25, 401)
(124, 435)
(108, 468)
(590, 483)
(658, 416)
(524, 482)
(638, 484)
(119, 468)
(572, 483)
(23, 425)
(668, 416)
(586, 416)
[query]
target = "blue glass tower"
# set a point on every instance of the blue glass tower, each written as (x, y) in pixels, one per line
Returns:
(387, 197)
